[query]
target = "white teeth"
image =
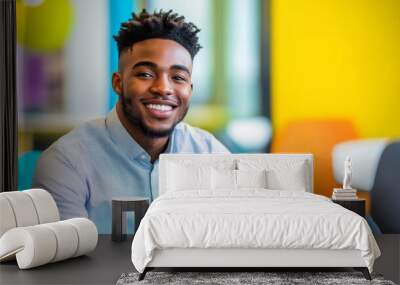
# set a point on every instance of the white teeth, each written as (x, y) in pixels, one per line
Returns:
(163, 108)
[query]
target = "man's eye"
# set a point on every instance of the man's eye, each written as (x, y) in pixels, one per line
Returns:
(144, 75)
(179, 78)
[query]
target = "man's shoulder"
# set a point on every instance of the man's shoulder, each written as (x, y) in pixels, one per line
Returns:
(190, 138)
(84, 134)
(186, 130)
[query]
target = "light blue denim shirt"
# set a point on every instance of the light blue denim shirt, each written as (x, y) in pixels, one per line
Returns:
(99, 160)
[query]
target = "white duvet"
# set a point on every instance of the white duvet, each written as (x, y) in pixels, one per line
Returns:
(252, 218)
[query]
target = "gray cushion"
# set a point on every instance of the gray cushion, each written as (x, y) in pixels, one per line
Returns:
(385, 194)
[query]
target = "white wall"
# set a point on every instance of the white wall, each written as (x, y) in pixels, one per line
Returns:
(86, 61)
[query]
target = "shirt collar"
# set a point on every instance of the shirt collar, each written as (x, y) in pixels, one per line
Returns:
(120, 136)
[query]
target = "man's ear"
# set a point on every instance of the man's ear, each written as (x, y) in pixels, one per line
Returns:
(117, 83)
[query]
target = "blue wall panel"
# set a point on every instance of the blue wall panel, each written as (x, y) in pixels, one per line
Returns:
(119, 11)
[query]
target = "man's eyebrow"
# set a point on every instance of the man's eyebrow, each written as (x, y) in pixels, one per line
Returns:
(145, 63)
(153, 65)
(181, 67)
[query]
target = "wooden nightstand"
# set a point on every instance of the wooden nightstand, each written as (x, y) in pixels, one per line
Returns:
(357, 206)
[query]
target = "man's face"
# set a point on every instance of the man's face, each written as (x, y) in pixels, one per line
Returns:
(154, 84)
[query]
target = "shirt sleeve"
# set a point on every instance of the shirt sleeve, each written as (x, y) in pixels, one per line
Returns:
(56, 174)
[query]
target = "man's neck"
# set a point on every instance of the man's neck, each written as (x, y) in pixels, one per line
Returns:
(153, 146)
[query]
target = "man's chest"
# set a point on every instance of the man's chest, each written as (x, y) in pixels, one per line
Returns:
(126, 179)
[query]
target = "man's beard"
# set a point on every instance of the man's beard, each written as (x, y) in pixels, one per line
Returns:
(138, 122)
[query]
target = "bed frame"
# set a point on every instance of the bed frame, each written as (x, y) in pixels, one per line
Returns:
(241, 259)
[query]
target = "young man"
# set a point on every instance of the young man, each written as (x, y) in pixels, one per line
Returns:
(118, 155)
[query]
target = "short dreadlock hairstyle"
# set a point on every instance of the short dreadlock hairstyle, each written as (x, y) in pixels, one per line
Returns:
(164, 25)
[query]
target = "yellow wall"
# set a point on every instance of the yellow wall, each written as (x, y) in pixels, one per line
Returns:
(337, 58)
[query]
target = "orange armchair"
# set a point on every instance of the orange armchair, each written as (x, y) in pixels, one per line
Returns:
(316, 136)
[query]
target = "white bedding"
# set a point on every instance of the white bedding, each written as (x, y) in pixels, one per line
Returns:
(251, 218)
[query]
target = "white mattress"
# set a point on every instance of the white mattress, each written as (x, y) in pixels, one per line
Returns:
(252, 218)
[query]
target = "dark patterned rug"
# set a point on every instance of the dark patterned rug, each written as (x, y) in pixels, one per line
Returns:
(228, 278)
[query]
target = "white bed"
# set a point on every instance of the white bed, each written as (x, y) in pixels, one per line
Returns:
(200, 223)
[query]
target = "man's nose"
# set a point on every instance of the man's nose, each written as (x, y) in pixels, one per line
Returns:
(162, 86)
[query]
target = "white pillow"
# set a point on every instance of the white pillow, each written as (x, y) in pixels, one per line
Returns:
(282, 174)
(226, 179)
(181, 177)
(223, 179)
(251, 178)
(287, 179)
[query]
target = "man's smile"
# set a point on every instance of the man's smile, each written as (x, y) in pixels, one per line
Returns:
(160, 109)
